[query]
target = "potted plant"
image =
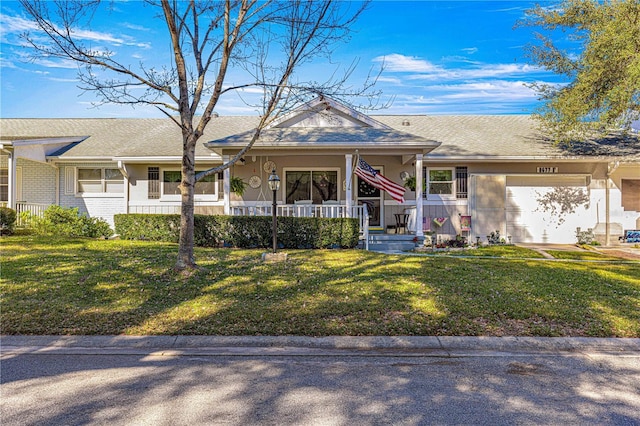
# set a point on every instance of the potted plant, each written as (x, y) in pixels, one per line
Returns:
(410, 183)
(237, 185)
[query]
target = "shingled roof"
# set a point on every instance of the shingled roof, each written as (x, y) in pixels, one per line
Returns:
(119, 137)
(462, 136)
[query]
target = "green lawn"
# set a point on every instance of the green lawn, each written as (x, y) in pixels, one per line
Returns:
(77, 286)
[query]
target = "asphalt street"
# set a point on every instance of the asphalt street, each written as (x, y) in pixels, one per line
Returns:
(172, 380)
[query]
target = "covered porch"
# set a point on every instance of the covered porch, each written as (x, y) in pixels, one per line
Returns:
(313, 150)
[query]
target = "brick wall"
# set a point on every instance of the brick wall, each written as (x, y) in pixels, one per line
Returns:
(38, 182)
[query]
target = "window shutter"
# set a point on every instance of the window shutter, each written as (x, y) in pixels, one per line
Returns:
(69, 180)
(153, 177)
(461, 182)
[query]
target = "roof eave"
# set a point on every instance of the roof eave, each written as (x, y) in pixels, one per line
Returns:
(502, 158)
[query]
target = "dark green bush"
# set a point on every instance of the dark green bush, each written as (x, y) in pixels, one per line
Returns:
(152, 227)
(7, 220)
(242, 231)
(69, 222)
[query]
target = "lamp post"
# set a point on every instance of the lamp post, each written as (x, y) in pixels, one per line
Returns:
(274, 185)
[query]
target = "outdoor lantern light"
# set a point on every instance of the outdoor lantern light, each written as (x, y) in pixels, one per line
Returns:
(274, 185)
(274, 181)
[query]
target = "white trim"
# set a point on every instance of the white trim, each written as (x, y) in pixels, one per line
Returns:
(419, 192)
(226, 186)
(506, 158)
(69, 180)
(48, 141)
(312, 105)
(443, 197)
(213, 158)
(349, 181)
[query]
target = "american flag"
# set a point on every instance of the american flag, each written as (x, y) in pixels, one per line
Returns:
(365, 172)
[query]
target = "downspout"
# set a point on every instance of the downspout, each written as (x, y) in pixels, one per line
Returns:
(611, 167)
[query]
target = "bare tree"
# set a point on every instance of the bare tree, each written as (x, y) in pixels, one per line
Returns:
(208, 39)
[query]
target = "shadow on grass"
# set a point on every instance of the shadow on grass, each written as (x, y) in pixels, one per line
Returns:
(125, 287)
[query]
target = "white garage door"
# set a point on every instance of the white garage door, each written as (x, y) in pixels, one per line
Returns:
(527, 220)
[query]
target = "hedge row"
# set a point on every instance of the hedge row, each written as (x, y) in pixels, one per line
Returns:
(242, 231)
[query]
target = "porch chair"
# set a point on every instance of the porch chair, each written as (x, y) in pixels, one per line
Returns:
(328, 210)
(304, 208)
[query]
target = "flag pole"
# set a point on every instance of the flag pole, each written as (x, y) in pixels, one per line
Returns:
(356, 158)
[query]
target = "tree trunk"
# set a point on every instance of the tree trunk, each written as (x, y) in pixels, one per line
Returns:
(186, 260)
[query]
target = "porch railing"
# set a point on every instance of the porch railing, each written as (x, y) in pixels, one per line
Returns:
(311, 210)
(153, 209)
(36, 209)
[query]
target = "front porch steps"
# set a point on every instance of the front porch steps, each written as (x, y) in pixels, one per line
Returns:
(392, 242)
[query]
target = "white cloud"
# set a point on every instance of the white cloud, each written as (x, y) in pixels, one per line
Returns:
(420, 69)
(400, 63)
(4, 63)
(15, 24)
(63, 80)
(504, 90)
(96, 36)
(56, 63)
(135, 27)
(470, 50)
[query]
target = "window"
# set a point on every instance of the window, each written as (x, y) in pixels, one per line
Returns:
(446, 183)
(171, 182)
(440, 183)
(315, 185)
(4, 178)
(4, 185)
(100, 181)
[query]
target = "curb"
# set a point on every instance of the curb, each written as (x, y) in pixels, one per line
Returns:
(439, 346)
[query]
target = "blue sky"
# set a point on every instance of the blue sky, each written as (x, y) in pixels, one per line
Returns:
(440, 57)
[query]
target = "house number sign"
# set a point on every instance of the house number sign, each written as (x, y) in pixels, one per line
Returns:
(547, 170)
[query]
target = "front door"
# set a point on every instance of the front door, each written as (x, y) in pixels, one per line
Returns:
(373, 198)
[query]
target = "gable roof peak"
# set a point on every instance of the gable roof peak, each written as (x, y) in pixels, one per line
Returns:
(325, 112)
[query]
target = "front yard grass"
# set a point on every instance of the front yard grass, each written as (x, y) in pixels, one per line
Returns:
(80, 286)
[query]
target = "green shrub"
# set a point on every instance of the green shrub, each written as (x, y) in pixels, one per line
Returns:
(7, 220)
(242, 231)
(69, 222)
(152, 227)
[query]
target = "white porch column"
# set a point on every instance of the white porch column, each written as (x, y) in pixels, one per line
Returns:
(11, 181)
(419, 191)
(349, 177)
(226, 186)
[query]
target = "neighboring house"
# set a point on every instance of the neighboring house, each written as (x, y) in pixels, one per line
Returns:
(495, 169)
